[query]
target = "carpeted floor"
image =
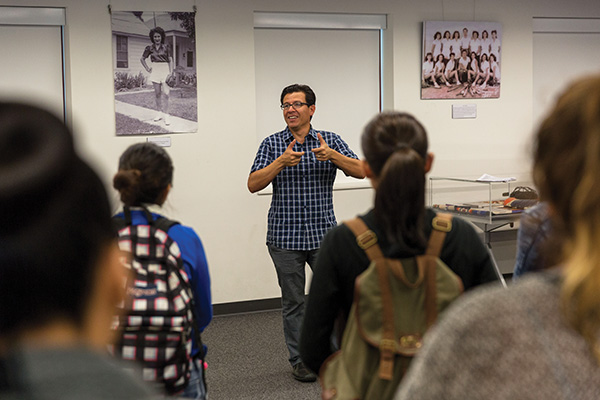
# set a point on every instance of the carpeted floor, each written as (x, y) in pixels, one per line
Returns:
(247, 359)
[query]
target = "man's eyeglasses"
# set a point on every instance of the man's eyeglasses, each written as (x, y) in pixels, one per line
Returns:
(295, 105)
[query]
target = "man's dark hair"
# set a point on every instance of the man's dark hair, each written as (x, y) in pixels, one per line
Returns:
(55, 221)
(310, 96)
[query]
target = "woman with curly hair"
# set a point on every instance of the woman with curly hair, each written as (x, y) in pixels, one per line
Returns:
(160, 69)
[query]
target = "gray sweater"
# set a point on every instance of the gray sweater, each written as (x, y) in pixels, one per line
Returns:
(68, 374)
(496, 343)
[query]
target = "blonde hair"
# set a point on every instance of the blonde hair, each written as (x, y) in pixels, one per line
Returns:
(567, 173)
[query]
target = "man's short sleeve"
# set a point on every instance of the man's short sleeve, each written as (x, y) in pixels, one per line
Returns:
(264, 155)
(339, 145)
(147, 52)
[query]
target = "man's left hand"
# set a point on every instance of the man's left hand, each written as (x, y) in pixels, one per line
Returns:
(324, 152)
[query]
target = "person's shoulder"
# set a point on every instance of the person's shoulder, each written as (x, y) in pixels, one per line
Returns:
(487, 307)
(338, 232)
(460, 226)
(326, 134)
(82, 374)
(184, 230)
(341, 234)
(276, 137)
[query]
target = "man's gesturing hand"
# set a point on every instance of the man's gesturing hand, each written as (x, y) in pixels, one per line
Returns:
(324, 152)
(290, 158)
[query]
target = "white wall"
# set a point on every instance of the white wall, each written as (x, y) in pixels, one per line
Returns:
(212, 166)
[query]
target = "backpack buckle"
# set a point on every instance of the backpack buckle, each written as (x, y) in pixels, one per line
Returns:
(442, 224)
(366, 239)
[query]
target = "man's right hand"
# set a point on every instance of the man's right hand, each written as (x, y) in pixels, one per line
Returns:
(259, 180)
(290, 158)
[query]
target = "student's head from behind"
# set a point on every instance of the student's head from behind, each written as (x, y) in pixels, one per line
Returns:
(145, 175)
(57, 243)
(396, 159)
(566, 166)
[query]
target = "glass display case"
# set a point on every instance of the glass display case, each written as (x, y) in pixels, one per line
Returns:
(479, 201)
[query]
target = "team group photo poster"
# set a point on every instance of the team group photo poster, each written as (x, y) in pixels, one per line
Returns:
(154, 63)
(461, 60)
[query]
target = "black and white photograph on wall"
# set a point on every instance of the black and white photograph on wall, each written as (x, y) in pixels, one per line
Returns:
(461, 60)
(154, 63)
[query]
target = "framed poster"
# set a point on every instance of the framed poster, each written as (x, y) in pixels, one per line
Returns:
(154, 63)
(461, 60)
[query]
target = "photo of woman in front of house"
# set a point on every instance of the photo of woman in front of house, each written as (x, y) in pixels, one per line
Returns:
(475, 70)
(154, 72)
(160, 69)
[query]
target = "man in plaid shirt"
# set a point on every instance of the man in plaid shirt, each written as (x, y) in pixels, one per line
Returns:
(301, 164)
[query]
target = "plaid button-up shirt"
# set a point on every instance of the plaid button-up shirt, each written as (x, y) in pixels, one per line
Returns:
(302, 205)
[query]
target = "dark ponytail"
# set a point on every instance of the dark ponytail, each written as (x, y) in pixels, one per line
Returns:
(400, 198)
(395, 147)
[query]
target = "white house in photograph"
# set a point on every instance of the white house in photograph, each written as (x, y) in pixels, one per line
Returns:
(130, 30)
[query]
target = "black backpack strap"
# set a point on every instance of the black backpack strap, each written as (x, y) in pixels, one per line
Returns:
(164, 224)
(161, 223)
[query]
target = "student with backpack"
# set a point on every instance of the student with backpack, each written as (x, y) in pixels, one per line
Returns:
(396, 160)
(144, 180)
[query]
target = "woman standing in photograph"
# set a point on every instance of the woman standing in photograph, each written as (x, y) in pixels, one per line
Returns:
(160, 70)
(465, 40)
(436, 46)
(485, 42)
(495, 46)
(446, 44)
(455, 43)
(475, 43)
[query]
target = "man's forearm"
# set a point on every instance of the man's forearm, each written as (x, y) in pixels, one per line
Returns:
(260, 179)
(350, 166)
